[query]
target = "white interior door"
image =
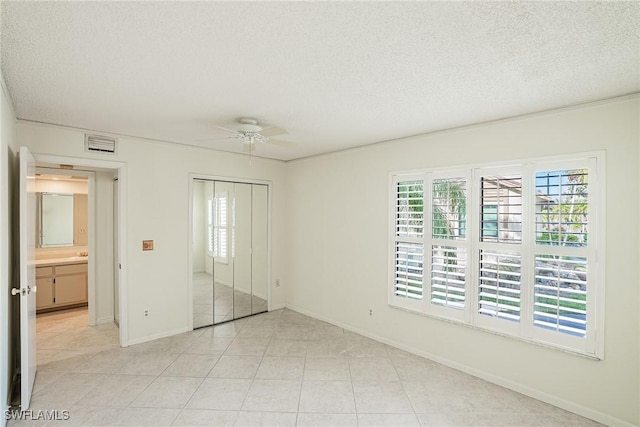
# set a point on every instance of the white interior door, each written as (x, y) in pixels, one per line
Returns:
(27, 289)
(116, 254)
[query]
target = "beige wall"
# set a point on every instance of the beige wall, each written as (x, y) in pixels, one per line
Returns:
(157, 183)
(338, 253)
(61, 186)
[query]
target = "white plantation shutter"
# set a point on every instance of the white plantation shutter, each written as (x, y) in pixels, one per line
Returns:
(448, 276)
(448, 208)
(565, 241)
(210, 222)
(501, 202)
(499, 265)
(499, 287)
(410, 209)
(408, 247)
(561, 294)
(218, 226)
(509, 249)
(448, 244)
(409, 271)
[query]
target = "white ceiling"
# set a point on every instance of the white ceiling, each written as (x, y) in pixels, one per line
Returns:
(334, 74)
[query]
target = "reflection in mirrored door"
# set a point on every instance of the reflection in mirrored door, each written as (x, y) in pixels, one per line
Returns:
(220, 234)
(202, 270)
(259, 248)
(241, 237)
(230, 251)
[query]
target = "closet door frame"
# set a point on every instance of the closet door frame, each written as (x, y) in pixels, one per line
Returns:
(192, 177)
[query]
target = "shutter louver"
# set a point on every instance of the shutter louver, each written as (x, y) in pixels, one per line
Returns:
(409, 246)
(499, 288)
(561, 294)
(448, 265)
(561, 207)
(501, 213)
(409, 270)
(410, 209)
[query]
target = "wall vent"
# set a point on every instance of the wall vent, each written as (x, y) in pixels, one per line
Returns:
(99, 143)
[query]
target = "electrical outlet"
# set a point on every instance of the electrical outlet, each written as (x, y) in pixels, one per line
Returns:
(146, 312)
(370, 312)
(277, 283)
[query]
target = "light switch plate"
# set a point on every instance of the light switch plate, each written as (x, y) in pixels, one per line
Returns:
(147, 245)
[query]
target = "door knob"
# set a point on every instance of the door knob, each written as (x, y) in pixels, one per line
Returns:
(24, 291)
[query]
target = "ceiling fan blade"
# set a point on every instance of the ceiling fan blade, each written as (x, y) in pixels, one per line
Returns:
(281, 143)
(273, 131)
(225, 129)
(215, 139)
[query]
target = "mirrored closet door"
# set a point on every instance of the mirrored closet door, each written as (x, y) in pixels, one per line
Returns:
(230, 251)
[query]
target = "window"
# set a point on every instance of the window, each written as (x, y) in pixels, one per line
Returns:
(506, 249)
(218, 227)
(408, 246)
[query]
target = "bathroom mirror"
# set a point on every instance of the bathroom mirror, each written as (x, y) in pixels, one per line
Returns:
(55, 219)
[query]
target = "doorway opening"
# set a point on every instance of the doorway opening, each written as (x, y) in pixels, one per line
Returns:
(76, 279)
(106, 234)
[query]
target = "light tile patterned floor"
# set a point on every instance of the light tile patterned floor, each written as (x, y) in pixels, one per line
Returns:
(274, 369)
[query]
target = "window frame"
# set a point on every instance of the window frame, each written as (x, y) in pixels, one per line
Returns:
(592, 345)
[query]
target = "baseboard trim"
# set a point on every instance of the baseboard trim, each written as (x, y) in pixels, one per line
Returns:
(277, 307)
(103, 320)
(156, 336)
(501, 381)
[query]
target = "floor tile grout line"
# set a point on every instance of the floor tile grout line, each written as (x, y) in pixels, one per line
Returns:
(254, 375)
(395, 368)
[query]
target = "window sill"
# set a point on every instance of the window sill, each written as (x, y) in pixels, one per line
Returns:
(501, 334)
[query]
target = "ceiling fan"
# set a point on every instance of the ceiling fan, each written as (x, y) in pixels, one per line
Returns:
(250, 132)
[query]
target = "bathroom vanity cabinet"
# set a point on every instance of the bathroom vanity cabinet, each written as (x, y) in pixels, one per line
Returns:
(61, 285)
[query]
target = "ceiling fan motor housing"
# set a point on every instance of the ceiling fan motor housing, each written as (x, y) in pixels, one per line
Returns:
(248, 125)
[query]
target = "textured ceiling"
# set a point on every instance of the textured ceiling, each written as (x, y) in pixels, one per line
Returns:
(334, 74)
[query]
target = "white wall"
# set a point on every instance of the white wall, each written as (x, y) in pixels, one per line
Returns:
(338, 253)
(8, 148)
(157, 208)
